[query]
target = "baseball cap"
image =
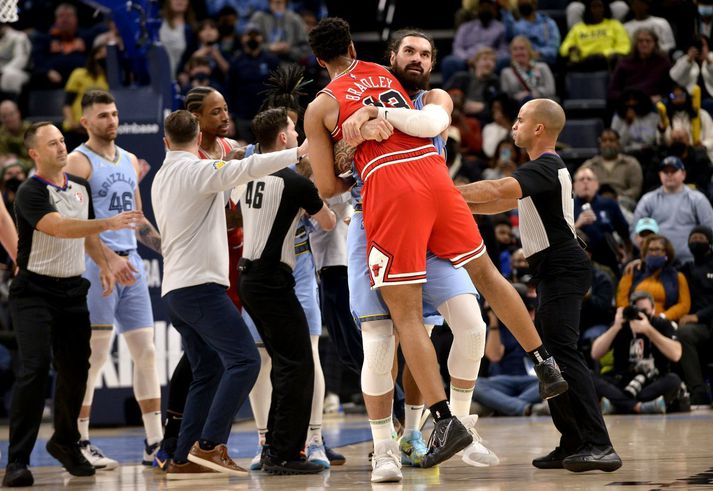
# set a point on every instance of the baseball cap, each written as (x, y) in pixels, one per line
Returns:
(672, 161)
(646, 224)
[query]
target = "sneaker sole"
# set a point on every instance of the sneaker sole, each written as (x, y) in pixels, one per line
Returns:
(393, 478)
(556, 389)
(107, 467)
(487, 461)
(202, 475)
(216, 467)
(548, 465)
(338, 462)
(277, 470)
(459, 445)
(23, 480)
(592, 466)
(323, 463)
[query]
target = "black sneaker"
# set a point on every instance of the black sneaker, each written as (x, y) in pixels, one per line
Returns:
(70, 456)
(551, 382)
(335, 458)
(591, 458)
(17, 475)
(552, 460)
(273, 464)
(448, 438)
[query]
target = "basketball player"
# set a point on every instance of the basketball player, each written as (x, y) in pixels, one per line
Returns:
(113, 175)
(405, 173)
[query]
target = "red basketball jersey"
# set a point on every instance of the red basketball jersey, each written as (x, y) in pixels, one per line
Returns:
(368, 83)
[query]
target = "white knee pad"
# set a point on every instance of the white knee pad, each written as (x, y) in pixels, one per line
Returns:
(143, 353)
(100, 344)
(379, 348)
(466, 321)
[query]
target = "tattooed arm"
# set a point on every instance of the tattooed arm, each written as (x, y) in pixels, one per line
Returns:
(148, 235)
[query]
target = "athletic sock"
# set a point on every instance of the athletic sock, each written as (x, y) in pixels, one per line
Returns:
(152, 426)
(261, 436)
(173, 424)
(440, 410)
(381, 429)
(460, 401)
(539, 354)
(83, 424)
(314, 434)
(413, 417)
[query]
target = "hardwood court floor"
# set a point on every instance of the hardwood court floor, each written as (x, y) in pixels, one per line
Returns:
(659, 452)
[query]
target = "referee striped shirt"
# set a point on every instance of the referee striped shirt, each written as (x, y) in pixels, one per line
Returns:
(546, 209)
(37, 251)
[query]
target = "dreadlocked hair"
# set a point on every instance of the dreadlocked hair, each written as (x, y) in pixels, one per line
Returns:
(284, 88)
(195, 98)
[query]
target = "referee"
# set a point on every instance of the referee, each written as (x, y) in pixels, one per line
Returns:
(48, 302)
(542, 192)
(272, 207)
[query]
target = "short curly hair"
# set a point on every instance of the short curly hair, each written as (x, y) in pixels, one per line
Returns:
(330, 38)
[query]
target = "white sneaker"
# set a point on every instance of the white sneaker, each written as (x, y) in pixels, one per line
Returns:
(96, 457)
(315, 453)
(476, 454)
(256, 462)
(385, 463)
(331, 403)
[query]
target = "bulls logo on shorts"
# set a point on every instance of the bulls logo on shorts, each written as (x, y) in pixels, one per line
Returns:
(379, 262)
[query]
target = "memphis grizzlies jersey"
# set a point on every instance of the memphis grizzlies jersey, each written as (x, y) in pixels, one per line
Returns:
(438, 142)
(113, 185)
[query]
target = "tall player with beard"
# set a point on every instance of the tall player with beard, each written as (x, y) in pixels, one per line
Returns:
(401, 174)
(113, 175)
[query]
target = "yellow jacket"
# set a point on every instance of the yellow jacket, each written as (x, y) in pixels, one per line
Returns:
(606, 38)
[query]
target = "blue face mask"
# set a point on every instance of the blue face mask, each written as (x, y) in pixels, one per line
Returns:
(655, 262)
(705, 10)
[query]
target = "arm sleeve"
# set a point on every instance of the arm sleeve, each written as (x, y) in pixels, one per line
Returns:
(429, 122)
(33, 203)
(680, 72)
(535, 178)
(683, 306)
(214, 176)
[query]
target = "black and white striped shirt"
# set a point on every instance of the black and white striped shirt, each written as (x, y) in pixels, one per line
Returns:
(42, 253)
(546, 209)
(271, 209)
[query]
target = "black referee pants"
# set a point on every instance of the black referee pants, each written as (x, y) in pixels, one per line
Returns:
(267, 290)
(564, 276)
(51, 322)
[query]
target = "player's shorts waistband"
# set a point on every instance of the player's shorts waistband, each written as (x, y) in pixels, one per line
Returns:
(400, 157)
(246, 265)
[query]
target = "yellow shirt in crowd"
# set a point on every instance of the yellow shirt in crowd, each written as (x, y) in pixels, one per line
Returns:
(606, 38)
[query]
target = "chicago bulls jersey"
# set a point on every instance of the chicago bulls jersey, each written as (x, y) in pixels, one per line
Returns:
(368, 83)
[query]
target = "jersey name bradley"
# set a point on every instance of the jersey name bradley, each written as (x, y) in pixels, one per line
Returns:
(360, 86)
(112, 179)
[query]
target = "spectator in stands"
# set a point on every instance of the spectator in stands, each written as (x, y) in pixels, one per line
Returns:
(504, 112)
(699, 168)
(705, 18)
(636, 121)
(248, 72)
(198, 72)
(612, 167)
(526, 78)
(469, 132)
(597, 306)
(575, 12)
(597, 42)
(645, 69)
(695, 330)
(643, 20)
(510, 388)
(176, 31)
(507, 244)
(485, 31)
(695, 68)
(643, 228)
(12, 176)
(657, 276)
(521, 269)
(56, 54)
(15, 48)
(681, 110)
(505, 160)
(480, 84)
(207, 47)
(245, 9)
(539, 29)
(284, 31)
(467, 12)
(12, 132)
(82, 80)
(644, 346)
(227, 18)
(599, 221)
(675, 207)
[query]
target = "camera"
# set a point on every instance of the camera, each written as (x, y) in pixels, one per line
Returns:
(645, 372)
(631, 313)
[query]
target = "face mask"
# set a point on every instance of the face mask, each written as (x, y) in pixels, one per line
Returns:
(525, 9)
(252, 44)
(677, 149)
(609, 153)
(699, 249)
(705, 10)
(13, 183)
(201, 77)
(655, 262)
